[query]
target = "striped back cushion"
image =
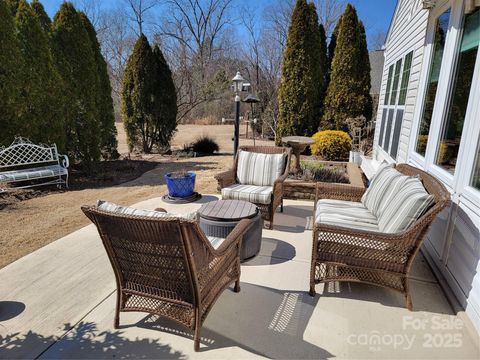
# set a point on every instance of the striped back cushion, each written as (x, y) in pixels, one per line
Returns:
(119, 209)
(259, 169)
(408, 204)
(385, 184)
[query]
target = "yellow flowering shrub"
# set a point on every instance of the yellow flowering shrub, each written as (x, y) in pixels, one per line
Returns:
(332, 145)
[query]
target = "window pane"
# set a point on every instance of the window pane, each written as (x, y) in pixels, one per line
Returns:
(438, 47)
(449, 144)
(389, 84)
(396, 133)
(405, 78)
(476, 170)
(396, 80)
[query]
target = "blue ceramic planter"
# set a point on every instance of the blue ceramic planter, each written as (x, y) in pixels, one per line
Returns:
(181, 186)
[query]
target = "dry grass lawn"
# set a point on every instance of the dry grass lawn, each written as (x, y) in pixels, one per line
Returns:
(28, 225)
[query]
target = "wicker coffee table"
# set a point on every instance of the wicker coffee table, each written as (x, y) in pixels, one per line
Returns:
(218, 218)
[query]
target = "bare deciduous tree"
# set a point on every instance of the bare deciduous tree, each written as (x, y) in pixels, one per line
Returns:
(140, 12)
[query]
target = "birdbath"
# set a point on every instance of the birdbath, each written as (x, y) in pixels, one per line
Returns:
(298, 144)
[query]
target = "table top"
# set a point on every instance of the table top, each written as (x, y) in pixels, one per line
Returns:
(228, 210)
(301, 140)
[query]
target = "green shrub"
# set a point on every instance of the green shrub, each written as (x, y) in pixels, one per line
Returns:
(331, 145)
(205, 145)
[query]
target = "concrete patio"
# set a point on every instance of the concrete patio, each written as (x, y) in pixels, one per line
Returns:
(58, 302)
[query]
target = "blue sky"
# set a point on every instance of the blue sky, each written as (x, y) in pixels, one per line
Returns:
(376, 14)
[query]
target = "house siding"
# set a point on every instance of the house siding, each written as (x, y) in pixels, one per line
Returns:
(407, 34)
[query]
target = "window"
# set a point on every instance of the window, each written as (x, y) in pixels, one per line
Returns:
(452, 127)
(392, 115)
(396, 80)
(438, 48)
(405, 78)
(475, 182)
(389, 84)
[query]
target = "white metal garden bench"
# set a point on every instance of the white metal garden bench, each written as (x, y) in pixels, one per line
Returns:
(24, 164)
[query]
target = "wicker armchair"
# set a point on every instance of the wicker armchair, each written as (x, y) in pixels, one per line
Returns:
(166, 266)
(382, 259)
(229, 178)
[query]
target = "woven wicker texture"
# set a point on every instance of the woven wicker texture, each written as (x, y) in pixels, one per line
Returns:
(166, 266)
(228, 178)
(341, 254)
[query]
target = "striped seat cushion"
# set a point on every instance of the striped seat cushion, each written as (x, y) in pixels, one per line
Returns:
(259, 169)
(385, 184)
(408, 204)
(250, 193)
(215, 241)
(32, 174)
(347, 214)
(119, 209)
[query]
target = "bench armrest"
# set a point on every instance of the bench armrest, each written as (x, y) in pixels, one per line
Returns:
(225, 179)
(64, 161)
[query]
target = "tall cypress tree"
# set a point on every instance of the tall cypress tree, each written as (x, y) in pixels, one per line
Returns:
(137, 101)
(44, 19)
(322, 82)
(301, 72)
(365, 69)
(103, 93)
(10, 64)
(76, 63)
(40, 119)
(347, 94)
(13, 6)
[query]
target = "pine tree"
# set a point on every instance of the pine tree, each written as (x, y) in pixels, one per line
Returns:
(103, 92)
(299, 92)
(44, 19)
(138, 88)
(348, 95)
(39, 118)
(10, 85)
(165, 107)
(76, 64)
(13, 6)
(322, 82)
(365, 69)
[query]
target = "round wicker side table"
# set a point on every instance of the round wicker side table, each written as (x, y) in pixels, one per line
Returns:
(218, 218)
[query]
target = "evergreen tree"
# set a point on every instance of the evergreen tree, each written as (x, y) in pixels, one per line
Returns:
(103, 92)
(365, 70)
(138, 88)
(76, 64)
(44, 19)
(39, 118)
(10, 63)
(149, 102)
(165, 109)
(13, 6)
(299, 92)
(323, 78)
(348, 94)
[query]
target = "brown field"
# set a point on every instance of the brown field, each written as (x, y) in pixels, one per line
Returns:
(30, 224)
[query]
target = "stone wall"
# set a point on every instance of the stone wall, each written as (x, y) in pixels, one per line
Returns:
(301, 190)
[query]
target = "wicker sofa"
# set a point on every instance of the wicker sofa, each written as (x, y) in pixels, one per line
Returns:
(165, 265)
(353, 251)
(266, 193)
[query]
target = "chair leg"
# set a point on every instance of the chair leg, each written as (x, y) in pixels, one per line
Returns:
(116, 321)
(196, 336)
(281, 206)
(408, 298)
(237, 286)
(313, 264)
(312, 291)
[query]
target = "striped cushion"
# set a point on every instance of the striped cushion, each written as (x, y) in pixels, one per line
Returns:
(215, 241)
(259, 169)
(32, 174)
(119, 209)
(347, 214)
(408, 204)
(385, 184)
(251, 193)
